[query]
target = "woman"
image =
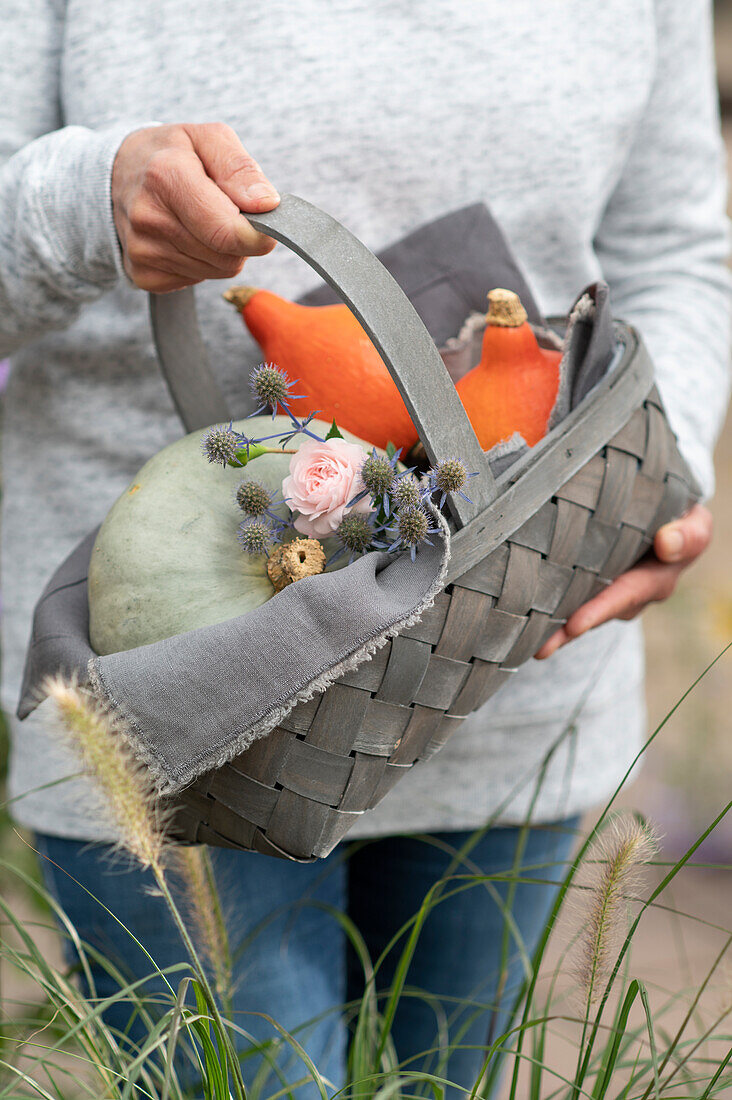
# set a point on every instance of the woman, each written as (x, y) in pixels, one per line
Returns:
(592, 131)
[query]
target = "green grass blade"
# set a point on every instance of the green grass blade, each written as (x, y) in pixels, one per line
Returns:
(651, 1036)
(215, 1071)
(613, 1049)
(720, 1070)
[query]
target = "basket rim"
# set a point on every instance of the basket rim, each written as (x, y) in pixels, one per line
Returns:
(535, 476)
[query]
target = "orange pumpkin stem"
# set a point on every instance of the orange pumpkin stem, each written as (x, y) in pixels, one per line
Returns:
(505, 309)
(239, 296)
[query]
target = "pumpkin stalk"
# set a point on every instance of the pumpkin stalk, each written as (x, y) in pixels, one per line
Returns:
(239, 296)
(505, 309)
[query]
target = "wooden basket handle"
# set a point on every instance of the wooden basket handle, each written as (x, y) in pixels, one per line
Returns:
(386, 314)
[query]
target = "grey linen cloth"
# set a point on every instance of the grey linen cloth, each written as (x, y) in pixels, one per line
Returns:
(194, 701)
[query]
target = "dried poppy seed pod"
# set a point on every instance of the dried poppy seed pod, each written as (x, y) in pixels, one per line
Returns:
(295, 560)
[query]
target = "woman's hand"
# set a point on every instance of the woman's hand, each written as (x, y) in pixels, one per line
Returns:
(177, 193)
(654, 578)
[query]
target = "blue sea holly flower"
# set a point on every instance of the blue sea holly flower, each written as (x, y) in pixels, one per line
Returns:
(256, 536)
(220, 444)
(271, 386)
(448, 476)
(413, 526)
(378, 474)
(356, 534)
(253, 498)
(406, 491)
(256, 499)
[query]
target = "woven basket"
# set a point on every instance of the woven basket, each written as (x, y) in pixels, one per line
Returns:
(561, 523)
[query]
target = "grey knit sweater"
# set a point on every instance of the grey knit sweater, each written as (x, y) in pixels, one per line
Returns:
(589, 126)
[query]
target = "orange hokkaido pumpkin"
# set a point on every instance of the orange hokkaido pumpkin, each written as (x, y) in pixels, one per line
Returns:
(338, 368)
(514, 386)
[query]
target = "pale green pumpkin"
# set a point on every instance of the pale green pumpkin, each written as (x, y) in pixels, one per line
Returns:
(167, 559)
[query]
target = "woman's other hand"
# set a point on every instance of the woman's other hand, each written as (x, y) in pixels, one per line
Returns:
(177, 193)
(654, 578)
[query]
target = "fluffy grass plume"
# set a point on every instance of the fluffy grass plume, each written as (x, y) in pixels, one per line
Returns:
(204, 905)
(125, 785)
(611, 878)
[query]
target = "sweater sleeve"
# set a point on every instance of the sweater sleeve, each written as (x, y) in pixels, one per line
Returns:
(663, 238)
(58, 245)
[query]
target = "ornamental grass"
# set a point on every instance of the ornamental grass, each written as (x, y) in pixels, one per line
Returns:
(581, 990)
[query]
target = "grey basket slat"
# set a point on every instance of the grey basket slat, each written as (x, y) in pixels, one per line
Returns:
(521, 580)
(554, 580)
(369, 675)
(502, 630)
(537, 532)
(231, 786)
(599, 538)
(487, 576)
(442, 683)
(382, 727)
(618, 486)
(464, 624)
(408, 661)
(365, 778)
(423, 726)
(569, 532)
(316, 773)
(339, 718)
(430, 626)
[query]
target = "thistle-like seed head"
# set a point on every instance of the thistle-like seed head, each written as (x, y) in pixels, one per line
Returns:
(450, 476)
(413, 525)
(220, 444)
(255, 536)
(270, 384)
(377, 474)
(405, 493)
(253, 498)
(356, 532)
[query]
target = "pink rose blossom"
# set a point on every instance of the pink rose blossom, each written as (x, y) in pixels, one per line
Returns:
(323, 478)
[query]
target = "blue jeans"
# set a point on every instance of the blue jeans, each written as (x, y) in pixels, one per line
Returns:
(293, 961)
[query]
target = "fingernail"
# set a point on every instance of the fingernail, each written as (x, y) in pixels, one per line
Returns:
(259, 191)
(673, 544)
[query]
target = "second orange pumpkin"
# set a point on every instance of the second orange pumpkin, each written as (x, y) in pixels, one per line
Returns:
(514, 386)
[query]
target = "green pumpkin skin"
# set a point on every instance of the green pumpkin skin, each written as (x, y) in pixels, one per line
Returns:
(167, 560)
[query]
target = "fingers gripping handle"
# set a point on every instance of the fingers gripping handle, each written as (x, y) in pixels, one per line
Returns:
(387, 316)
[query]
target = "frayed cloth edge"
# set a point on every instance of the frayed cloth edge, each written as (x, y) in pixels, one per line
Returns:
(167, 785)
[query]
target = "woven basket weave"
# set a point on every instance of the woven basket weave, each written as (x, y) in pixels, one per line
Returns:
(571, 515)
